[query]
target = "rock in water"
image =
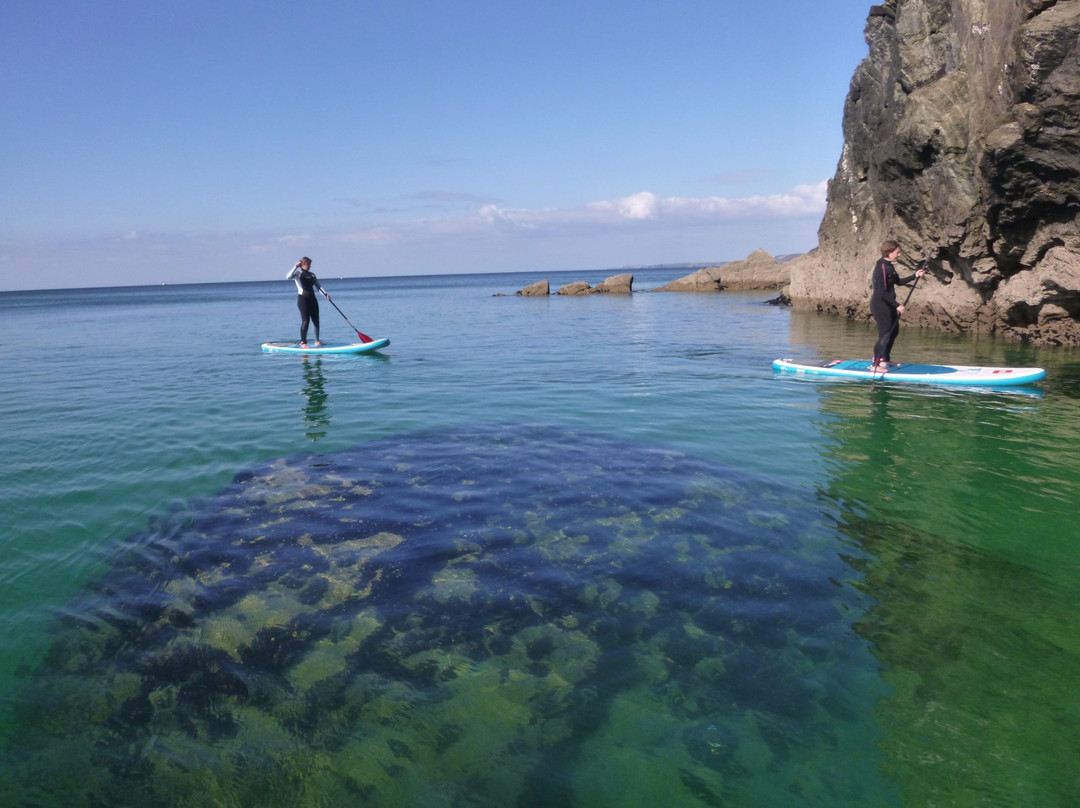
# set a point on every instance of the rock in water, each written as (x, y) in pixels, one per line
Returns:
(538, 289)
(451, 618)
(759, 271)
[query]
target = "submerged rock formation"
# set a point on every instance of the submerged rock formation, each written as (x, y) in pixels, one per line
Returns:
(480, 616)
(962, 141)
(759, 271)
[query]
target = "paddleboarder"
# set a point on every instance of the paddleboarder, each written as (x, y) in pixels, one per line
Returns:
(884, 307)
(306, 284)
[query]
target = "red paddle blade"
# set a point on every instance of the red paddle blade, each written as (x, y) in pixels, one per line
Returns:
(364, 337)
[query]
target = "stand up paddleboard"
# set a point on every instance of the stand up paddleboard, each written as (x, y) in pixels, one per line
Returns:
(327, 347)
(915, 373)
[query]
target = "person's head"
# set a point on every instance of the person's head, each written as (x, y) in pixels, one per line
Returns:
(888, 247)
(305, 263)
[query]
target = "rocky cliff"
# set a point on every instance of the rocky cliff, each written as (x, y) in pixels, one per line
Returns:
(962, 141)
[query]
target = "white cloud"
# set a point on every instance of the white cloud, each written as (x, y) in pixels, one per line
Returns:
(638, 229)
(643, 205)
(640, 210)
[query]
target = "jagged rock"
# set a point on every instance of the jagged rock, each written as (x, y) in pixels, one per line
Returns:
(704, 280)
(575, 288)
(616, 285)
(759, 271)
(962, 141)
(538, 289)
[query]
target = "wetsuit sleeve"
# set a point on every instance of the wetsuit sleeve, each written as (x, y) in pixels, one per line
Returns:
(294, 276)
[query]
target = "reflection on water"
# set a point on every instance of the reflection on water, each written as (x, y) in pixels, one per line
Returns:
(504, 616)
(972, 572)
(316, 416)
(982, 656)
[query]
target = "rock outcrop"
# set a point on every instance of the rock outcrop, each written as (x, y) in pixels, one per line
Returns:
(615, 285)
(538, 289)
(759, 271)
(961, 141)
(575, 288)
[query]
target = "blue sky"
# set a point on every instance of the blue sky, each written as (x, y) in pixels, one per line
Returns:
(190, 141)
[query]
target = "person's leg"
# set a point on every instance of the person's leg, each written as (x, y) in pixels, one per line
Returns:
(304, 318)
(891, 338)
(885, 319)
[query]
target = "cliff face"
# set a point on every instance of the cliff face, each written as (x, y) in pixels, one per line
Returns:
(961, 141)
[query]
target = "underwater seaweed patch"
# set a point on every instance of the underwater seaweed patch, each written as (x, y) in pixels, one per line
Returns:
(476, 617)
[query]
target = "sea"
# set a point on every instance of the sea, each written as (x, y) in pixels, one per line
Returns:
(559, 551)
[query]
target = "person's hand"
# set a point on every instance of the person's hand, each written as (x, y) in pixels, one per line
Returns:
(900, 309)
(297, 265)
(919, 273)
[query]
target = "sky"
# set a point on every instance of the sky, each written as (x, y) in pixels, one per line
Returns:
(189, 141)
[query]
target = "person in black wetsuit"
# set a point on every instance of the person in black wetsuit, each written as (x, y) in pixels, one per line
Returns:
(883, 306)
(306, 284)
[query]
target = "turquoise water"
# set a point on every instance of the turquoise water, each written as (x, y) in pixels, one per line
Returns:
(582, 551)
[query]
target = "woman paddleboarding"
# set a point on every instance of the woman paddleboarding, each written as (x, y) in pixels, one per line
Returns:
(884, 307)
(306, 284)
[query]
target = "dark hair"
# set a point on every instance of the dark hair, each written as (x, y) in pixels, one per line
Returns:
(305, 261)
(887, 246)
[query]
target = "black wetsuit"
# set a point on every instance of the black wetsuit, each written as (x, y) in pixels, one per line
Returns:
(883, 306)
(306, 284)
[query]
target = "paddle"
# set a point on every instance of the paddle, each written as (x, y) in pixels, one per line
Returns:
(922, 265)
(363, 337)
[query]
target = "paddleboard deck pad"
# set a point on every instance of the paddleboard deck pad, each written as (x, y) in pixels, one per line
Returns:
(327, 347)
(916, 373)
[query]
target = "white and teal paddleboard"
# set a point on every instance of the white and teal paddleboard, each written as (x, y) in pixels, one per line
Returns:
(327, 347)
(916, 373)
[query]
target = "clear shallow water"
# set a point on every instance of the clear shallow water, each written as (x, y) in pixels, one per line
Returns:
(939, 669)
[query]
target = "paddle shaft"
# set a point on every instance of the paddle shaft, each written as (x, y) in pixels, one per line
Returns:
(363, 337)
(910, 291)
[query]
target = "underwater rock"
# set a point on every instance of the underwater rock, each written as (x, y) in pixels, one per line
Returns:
(446, 618)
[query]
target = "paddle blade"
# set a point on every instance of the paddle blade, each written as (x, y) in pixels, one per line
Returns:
(364, 337)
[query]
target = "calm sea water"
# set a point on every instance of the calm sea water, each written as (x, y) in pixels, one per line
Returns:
(566, 551)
